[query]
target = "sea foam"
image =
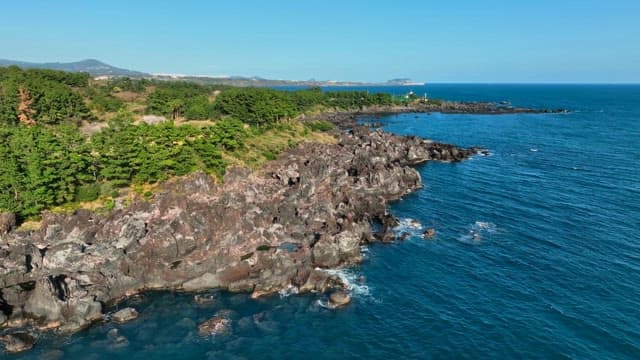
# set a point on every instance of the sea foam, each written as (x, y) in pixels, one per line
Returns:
(477, 232)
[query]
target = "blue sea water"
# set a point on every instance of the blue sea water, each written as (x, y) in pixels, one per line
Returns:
(536, 252)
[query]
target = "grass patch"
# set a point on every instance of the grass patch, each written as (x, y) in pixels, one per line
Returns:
(264, 145)
(321, 125)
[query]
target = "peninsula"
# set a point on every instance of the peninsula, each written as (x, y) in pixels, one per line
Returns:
(183, 187)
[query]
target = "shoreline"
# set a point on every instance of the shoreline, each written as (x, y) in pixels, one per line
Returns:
(345, 119)
(258, 232)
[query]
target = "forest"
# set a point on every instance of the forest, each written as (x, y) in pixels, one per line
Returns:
(52, 157)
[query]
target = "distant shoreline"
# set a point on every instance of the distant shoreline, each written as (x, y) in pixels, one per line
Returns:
(348, 118)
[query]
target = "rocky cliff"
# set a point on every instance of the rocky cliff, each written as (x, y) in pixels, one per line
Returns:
(257, 232)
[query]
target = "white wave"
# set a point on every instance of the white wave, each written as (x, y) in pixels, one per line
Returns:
(352, 281)
(477, 232)
(288, 291)
(410, 226)
(483, 225)
(323, 303)
(533, 150)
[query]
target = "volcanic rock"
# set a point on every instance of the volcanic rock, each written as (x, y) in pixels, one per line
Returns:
(313, 207)
(124, 315)
(17, 342)
(339, 298)
(429, 233)
(7, 222)
(214, 326)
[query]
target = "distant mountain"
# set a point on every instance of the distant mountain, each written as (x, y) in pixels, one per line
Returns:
(98, 68)
(91, 66)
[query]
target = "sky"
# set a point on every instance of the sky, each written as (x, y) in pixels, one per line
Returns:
(433, 41)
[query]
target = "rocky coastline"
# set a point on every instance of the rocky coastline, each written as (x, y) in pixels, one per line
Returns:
(345, 119)
(258, 232)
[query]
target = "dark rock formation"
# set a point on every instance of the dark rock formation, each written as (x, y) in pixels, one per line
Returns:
(345, 119)
(124, 315)
(7, 222)
(219, 324)
(429, 233)
(339, 298)
(258, 232)
(17, 342)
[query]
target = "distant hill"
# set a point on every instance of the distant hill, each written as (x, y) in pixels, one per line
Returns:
(97, 68)
(91, 66)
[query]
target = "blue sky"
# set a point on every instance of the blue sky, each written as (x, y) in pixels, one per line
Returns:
(435, 41)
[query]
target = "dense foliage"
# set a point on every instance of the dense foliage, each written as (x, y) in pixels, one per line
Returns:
(49, 166)
(177, 99)
(42, 167)
(261, 106)
(42, 96)
(128, 153)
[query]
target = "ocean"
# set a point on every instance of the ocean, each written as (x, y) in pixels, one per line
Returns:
(536, 252)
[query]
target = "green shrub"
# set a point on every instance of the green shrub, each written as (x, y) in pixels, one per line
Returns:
(88, 192)
(107, 189)
(269, 155)
(321, 125)
(109, 205)
(263, 248)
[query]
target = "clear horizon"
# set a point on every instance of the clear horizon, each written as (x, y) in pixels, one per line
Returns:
(575, 42)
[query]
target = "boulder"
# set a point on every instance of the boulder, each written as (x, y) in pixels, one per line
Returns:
(339, 298)
(429, 233)
(215, 326)
(124, 315)
(18, 342)
(44, 304)
(318, 280)
(119, 342)
(113, 333)
(7, 222)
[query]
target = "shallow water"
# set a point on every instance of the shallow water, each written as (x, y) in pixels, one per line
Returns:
(536, 252)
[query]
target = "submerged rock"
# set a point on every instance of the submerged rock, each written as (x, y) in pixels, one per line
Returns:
(203, 299)
(54, 354)
(18, 342)
(215, 326)
(124, 315)
(429, 233)
(119, 342)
